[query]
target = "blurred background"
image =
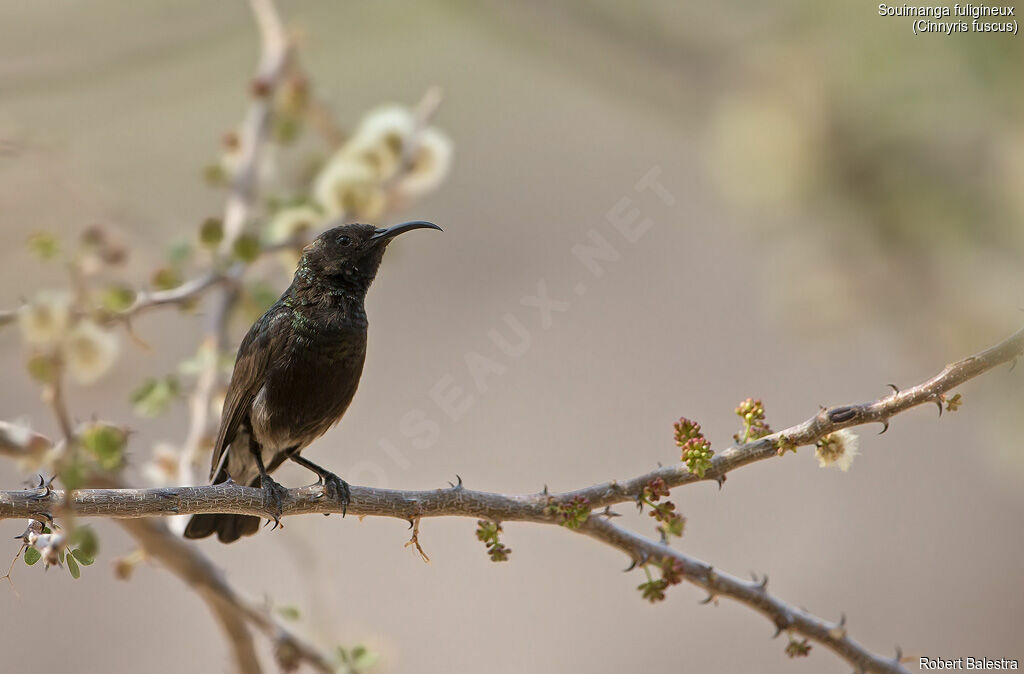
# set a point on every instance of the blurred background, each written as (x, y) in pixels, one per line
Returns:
(843, 213)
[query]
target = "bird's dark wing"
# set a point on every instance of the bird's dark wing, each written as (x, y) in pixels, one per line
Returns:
(255, 355)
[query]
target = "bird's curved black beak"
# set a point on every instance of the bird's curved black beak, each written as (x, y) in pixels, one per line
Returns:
(382, 233)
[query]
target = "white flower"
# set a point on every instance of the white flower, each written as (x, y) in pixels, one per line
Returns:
(346, 187)
(430, 164)
(89, 351)
(390, 119)
(380, 139)
(837, 448)
(44, 319)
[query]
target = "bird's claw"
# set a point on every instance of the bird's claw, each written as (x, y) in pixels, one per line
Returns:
(273, 499)
(337, 489)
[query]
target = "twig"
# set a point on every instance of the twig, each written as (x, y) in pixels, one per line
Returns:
(751, 593)
(274, 56)
(187, 291)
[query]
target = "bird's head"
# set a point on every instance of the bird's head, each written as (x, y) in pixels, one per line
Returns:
(348, 256)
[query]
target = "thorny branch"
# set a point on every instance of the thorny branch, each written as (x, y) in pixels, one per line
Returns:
(460, 501)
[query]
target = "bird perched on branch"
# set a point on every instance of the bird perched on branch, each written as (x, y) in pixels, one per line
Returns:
(296, 372)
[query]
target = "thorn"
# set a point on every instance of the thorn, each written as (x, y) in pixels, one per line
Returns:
(938, 403)
(783, 622)
(721, 481)
(415, 540)
(839, 631)
(895, 389)
(608, 512)
(412, 523)
(764, 582)
(1013, 364)
(885, 426)
(899, 654)
(632, 564)
(458, 485)
(545, 492)
(710, 598)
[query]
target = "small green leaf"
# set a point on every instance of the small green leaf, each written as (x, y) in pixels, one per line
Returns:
(165, 278)
(76, 572)
(211, 232)
(32, 556)
(44, 245)
(40, 367)
(82, 558)
(363, 658)
(286, 129)
(72, 473)
(247, 248)
(155, 396)
(215, 175)
(60, 556)
(84, 537)
(117, 298)
(288, 612)
(179, 253)
(106, 443)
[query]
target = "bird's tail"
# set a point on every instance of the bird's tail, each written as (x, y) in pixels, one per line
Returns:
(229, 528)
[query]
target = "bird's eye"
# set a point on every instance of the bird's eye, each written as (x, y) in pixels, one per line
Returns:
(344, 241)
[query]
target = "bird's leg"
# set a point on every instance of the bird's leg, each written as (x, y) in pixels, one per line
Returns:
(273, 492)
(335, 487)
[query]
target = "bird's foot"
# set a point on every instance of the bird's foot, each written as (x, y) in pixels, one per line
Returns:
(337, 489)
(273, 498)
